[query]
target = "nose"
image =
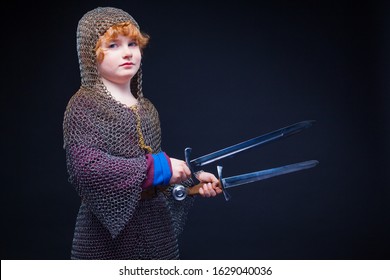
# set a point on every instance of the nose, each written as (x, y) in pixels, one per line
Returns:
(127, 53)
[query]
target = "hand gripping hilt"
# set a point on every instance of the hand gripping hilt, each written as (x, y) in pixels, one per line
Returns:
(180, 192)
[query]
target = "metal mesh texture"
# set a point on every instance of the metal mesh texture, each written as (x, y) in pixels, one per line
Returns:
(107, 165)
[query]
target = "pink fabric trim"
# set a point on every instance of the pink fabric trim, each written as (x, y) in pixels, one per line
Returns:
(148, 182)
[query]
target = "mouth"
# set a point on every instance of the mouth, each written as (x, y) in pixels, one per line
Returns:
(127, 64)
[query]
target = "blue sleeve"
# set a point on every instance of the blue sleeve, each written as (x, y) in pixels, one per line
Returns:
(162, 169)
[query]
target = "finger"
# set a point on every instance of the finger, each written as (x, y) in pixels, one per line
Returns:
(211, 190)
(217, 187)
(206, 190)
(205, 176)
(214, 179)
(187, 171)
(218, 190)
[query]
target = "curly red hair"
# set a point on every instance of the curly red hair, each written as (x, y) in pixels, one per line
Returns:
(127, 29)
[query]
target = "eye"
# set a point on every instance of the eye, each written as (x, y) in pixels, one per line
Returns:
(112, 45)
(132, 44)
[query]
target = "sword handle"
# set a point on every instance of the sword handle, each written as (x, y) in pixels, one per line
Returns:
(194, 190)
(180, 192)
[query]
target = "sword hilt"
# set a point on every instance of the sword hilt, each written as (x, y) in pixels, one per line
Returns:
(180, 192)
(187, 153)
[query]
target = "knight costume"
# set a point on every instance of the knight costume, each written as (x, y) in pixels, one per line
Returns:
(107, 145)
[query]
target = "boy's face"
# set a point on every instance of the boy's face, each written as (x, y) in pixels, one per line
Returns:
(122, 59)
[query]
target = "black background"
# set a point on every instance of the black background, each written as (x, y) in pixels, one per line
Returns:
(219, 73)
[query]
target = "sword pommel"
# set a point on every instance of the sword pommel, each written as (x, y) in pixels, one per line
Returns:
(179, 192)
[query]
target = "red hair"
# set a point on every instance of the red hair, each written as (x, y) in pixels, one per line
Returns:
(127, 29)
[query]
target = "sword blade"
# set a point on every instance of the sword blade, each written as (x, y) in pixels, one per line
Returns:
(247, 178)
(251, 143)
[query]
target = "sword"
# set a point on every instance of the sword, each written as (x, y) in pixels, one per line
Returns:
(180, 192)
(281, 133)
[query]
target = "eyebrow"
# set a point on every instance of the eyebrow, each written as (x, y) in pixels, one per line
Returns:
(117, 39)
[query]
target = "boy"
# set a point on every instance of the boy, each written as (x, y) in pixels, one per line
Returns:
(112, 139)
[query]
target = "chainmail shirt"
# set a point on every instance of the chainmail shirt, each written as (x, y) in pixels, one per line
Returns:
(105, 143)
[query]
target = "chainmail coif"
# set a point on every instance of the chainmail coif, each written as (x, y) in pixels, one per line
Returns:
(105, 149)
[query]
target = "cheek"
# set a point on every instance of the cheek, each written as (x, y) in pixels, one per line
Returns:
(104, 68)
(137, 54)
(107, 62)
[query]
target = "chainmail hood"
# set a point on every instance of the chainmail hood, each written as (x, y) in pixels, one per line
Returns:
(90, 27)
(106, 145)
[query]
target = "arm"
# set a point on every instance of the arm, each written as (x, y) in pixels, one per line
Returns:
(163, 170)
(109, 185)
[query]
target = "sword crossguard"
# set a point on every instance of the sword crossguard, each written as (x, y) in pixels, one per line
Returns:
(187, 153)
(180, 192)
(221, 182)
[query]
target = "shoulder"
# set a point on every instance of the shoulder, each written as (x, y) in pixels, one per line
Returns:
(80, 98)
(147, 104)
(79, 104)
(85, 100)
